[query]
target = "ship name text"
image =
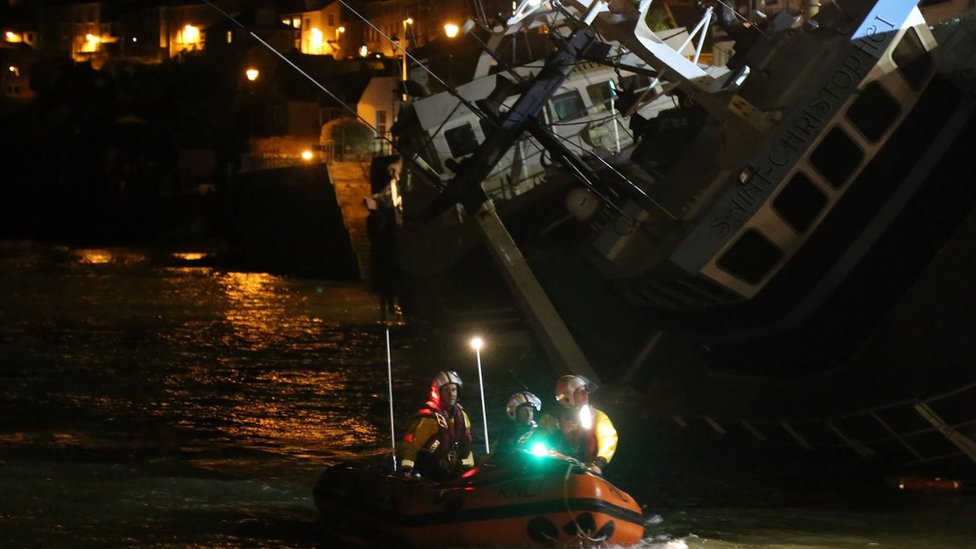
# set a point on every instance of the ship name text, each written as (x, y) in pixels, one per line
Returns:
(759, 179)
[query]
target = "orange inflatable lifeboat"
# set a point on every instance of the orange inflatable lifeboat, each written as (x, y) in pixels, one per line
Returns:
(547, 500)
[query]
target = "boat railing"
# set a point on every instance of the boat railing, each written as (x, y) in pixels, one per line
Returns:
(911, 431)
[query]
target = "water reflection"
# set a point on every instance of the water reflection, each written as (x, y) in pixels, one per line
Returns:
(255, 310)
(101, 256)
(93, 257)
(311, 411)
(190, 256)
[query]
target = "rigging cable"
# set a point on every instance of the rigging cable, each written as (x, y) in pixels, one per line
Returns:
(389, 371)
(549, 131)
(476, 110)
(616, 172)
(410, 56)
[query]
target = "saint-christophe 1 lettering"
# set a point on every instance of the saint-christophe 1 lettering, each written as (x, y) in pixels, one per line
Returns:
(796, 135)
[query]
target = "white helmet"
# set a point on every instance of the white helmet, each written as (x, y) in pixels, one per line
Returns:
(441, 379)
(520, 399)
(445, 378)
(567, 386)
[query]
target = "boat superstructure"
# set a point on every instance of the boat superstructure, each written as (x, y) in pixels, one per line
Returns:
(726, 174)
(744, 194)
(747, 160)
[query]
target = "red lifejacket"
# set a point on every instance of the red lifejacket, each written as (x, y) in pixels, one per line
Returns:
(451, 443)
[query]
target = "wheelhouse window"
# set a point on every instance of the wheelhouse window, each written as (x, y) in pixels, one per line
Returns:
(599, 95)
(913, 60)
(800, 202)
(568, 106)
(874, 111)
(751, 258)
(836, 157)
(461, 140)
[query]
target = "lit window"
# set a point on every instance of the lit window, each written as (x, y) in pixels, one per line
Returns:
(91, 43)
(191, 34)
(315, 41)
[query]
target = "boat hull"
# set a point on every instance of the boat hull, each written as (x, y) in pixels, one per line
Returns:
(546, 503)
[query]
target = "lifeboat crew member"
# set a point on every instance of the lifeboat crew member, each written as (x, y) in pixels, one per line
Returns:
(587, 433)
(521, 408)
(438, 443)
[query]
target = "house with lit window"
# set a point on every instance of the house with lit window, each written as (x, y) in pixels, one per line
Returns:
(18, 33)
(18, 38)
(181, 27)
(322, 30)
(97, 32)
(14, 72)
(81, 30)
(415, 23)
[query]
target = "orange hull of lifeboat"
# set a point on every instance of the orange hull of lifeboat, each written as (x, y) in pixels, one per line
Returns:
(545, 504)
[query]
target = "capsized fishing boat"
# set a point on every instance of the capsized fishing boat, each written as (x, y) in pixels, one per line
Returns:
(535, 500)
(749, 216)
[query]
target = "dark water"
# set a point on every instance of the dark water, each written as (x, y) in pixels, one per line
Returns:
(148, 400)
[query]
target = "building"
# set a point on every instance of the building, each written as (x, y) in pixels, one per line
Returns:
(322, 29)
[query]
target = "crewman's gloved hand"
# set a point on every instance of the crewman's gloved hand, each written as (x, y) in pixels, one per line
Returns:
(596, 466)
(408, 472)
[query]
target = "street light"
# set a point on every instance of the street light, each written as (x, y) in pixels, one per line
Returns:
(406, 45)
(476, 344)
(451, 30)
(251, 73)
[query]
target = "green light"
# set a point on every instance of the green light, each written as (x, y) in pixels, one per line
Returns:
(539, 449)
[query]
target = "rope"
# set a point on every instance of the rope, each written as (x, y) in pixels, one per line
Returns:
(580, 533)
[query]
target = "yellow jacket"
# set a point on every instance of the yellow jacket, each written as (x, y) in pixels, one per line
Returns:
(587, 433)
(444, 435)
